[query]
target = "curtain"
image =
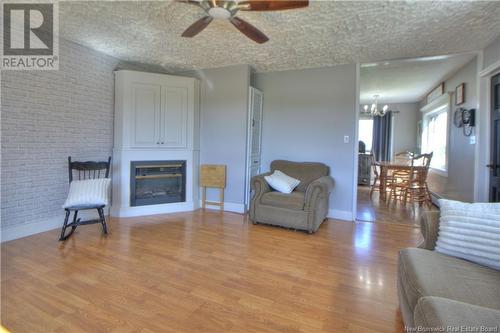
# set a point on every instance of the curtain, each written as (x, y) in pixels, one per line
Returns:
(382, 140)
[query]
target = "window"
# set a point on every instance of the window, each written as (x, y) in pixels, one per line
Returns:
(435, 137)
(366, 132)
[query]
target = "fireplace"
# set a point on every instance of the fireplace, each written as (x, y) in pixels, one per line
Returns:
(157, 182)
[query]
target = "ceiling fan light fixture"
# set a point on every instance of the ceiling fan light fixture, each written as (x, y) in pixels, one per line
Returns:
(227, 10)
(219, 13)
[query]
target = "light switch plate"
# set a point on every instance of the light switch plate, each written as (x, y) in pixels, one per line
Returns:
(346, 138)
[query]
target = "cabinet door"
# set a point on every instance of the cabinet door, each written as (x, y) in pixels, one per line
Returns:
(146, 114)
(174, 117)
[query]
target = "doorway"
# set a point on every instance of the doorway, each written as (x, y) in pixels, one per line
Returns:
(406, 110)
(494, 166)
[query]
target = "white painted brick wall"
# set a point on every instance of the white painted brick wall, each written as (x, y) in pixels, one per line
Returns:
(46, 116)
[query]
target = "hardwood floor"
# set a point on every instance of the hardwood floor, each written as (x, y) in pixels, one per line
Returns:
(205, 272)
(373, 210)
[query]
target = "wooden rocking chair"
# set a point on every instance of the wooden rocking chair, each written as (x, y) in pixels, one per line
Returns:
(85, 170)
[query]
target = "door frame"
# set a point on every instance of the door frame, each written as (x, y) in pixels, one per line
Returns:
(248, 154)
(483, 129)
(355, 139)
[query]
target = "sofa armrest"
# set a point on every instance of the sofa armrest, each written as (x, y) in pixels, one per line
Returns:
(435, 313)
(429, 226)
(318, 189)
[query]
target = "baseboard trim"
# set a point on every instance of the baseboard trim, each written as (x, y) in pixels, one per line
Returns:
(229, 207)
(36, 227)
(340, 215)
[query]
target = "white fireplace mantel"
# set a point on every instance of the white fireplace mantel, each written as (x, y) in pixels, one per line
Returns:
(156, 119)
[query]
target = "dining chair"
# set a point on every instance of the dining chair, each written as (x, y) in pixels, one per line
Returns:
(403, 157)
(416, 188)
(397, 187)
(399, 177)
(375, 186)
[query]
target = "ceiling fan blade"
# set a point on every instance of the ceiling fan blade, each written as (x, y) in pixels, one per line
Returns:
(249, 30)
(269, 5)
(197, 27)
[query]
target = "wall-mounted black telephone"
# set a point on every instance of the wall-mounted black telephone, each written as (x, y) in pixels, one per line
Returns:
(465, 118)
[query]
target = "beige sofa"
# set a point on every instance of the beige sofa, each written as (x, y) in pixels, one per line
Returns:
(305, 208)
(440, 293)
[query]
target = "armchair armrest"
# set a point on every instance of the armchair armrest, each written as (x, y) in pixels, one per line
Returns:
(259, 186)
(429, 226)
(319, 188)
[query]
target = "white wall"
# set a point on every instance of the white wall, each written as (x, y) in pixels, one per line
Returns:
(306, 115)
(405, 126)
(223, 114)
(491, 53)
(459, 184)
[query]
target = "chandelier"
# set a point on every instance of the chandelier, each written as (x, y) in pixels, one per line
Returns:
(373, 110)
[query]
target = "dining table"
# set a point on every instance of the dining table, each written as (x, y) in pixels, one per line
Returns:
(387, 167)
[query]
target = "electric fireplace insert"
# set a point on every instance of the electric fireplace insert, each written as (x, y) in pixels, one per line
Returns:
(157, 182)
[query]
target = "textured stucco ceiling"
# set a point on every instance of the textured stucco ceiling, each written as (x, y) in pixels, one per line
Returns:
(405, 81)
(324, 34)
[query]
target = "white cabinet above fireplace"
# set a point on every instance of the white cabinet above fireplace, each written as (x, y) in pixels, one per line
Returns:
(156, 119)
(155, 111)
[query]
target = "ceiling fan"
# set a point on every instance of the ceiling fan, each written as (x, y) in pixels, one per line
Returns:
(227, 10)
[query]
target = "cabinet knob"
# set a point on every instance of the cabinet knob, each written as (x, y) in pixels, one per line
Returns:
(158, 143)
(162, 143)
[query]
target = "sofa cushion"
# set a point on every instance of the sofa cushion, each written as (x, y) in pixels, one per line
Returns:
(437, 312)
(294, 200)
(428, 273)
(306, 172)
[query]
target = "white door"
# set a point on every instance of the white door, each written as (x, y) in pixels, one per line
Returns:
(254, 139)
(174, 117)
(146, 114)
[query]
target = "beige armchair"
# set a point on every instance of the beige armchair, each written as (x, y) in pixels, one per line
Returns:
(305, 208)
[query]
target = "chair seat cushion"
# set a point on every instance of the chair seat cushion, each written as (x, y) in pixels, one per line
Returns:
(428, 273)
(88, 193)
(294, 200)
(84, 207)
